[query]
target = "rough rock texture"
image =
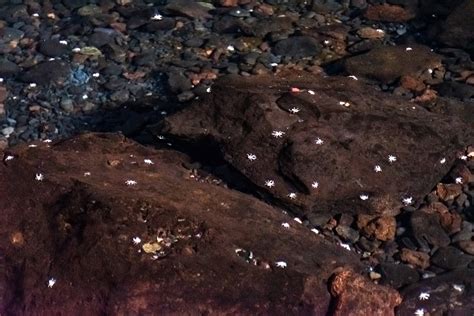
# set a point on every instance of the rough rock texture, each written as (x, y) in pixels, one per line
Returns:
(78, 222)
(347, 287)
(240, 116)
(389, 63)
(450, 294)
(458, 29)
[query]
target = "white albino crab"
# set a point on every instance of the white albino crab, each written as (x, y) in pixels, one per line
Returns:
(278, 134)
(148, 161)
(130, 182)
(315, 185)
(408, 200)
(424, 296)
(319, 141)
(51, 282)
(392, 158)
(281, 264)
(270, 183)
(377, 168)
(39, 177)
(364, 197)
(294, 110)
(251, 157)
(292, 195)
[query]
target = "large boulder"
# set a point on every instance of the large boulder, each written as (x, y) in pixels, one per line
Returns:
(101, 225)
(324, 147)
(458, 29)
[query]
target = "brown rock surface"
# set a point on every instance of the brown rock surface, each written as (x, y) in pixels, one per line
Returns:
(77, 225)
(389, 63)
(388, 13)
(240, 117)
(347, 287)
(458, 29)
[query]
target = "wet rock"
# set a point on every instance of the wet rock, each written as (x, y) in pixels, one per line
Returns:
(450, 294)
(188, 8)
(52, 48)
(450, 258)
(370, 33)
(467, 246)
(398, 275)
(347, 233)
(388, 13)
(448, 192)
(49, 72)
(388, 63)
(326, 5)
(8, 34)
(458, 29)
(8, 68)
(426, 228)
(104, 213)
(383, 228)
(241, 116)
(416, 258)
(347, 286)
(297, 46)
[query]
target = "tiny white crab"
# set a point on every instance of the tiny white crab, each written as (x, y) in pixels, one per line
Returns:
(442, 161)
(130, 182)
(470, 154)
(270, 183)
(408, 200)
(314, 230)
(76, 49)
(251, 157)
(458, 287)
(298, 220)
(8, 158)
(33, 85)
(327, 42)
(281, 264)
(353, 77)
(35, 15)
(463, 157)
(51, 282)
(319, 141)
(230, 48)
(63, 42)
(274, 64)
(39, 177)
(345, 246)
(85, 97)
(346, 104)
(315, 185)
(458, 180)
(424, 296)
(294, 110)
(47, 141)
(87, 174)
(96, 75)
(148, 161)
(408, 49)
(420, 312)
(377, 168)
(292, 195)
(157, 17)
(392, 158)
(285, 225)
(311, 92)
(208, 90)
(379, 31)
(278, 134)
(32, 146)
(1, 80)
(364, 197)
(136, 240)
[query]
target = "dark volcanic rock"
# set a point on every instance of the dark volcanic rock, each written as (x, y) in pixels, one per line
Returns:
(49, 72)
(398, 275)
(458, 29)
(167, 242)
(426, 228)
(389, 63)
(297, 46)
(326, 142)
(450, 258)
(8, 68)
(449, 294)
(52, 48)
(188, 8)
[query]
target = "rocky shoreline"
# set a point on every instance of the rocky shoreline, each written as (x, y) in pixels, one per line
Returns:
(288, 157)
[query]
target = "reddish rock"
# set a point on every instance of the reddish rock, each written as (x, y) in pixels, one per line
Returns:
(370, 33)
(416, 258)
(388, 13)
(229, 3)
(240, 115)
(78, 224)
(264, 9)
(451, 222)
(347, 287)
(447, 192)
(383, 228)
(412, 83)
